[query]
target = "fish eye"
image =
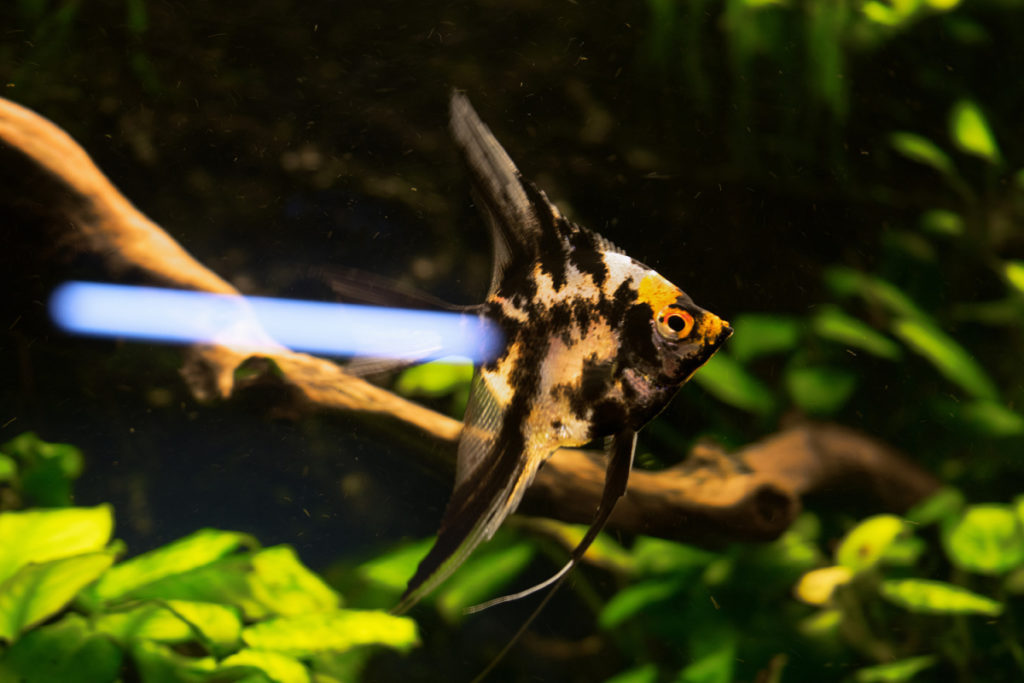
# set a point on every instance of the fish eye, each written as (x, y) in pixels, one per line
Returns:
(673, 322)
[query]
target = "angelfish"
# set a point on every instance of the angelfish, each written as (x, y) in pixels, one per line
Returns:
(595, 345)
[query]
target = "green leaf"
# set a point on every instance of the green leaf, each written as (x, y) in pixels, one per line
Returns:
(971, 133)
(992, 418)
(937, 597)
(637, 598)
(173, 621)
(945, 504)
(1013, 271)
(922, 150)
(865, 545)
(196, 550)
(833, 324)
(158, 663)
(873, 290)
(42, 535)
(715, 665)
(647, 673)
(38, 591)
(988, 539)
(46, 469)
(895, 672)
(759, 335)
(277, 667)
(393, 570)
(658, 556)
(439, 378)
(725, 379)
(337, 631)
(943, 222)
(57, 653)
(284, 585)
(481, 577)
(8, 468)
(948, 357)
(819, 390)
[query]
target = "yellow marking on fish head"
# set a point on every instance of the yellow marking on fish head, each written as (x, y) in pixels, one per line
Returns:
(657, 292)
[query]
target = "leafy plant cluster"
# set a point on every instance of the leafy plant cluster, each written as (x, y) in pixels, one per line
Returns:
(213, 606)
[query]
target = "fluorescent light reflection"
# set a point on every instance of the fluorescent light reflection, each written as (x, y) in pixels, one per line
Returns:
(259, 323)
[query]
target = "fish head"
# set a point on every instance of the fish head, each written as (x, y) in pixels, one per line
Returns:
(665, 338)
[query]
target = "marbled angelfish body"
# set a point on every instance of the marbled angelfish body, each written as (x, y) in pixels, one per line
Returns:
(595, 345)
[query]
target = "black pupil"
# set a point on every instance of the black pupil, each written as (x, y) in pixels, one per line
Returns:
(676, 322)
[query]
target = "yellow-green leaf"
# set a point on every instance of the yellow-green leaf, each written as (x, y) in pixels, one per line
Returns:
(817, 586)
(277, 667)
(438, 378)
(636, 598)
(971, 133)
(945, 504)
(1013, 271)
(937, 597)
(992, 418)
(173, 621)
(988, 539)
(895, 672)
(38, 591)
(942, 222)
(865, 545)
(949, 358)
(922, 150)
(283, 584)
(193, 551)
(309, 634)
(42, 535)
(481, 577)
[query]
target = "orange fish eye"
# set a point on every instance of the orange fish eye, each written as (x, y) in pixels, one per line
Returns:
(674, 323)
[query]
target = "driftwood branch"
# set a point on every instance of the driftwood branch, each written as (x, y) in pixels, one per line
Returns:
(753, 494)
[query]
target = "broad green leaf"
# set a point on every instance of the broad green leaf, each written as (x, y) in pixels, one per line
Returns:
(819, 390)
(762, 334)
(992, 418)
(42, 535)
(337, 631)
(824, 623)
(38, 591)
(865, 545)
(715, 666)
(277, 667)
(647, 673)
(937, 597)
(282, 583)
(481, 577)
(943, 222)
(833, 324)
(394, 569)
(637, 598)
(158, 663)
(1013, 271)
(817, 586)
(988, 539)
(922, 150)
(439, 378)
(971, 133)
(603, 552)
(873, 290)
(173, 621)
(196, 550)
(658, 556)
(895, 672)
(948, 357)
(945, 504)
(725, 379)
(67, 650)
